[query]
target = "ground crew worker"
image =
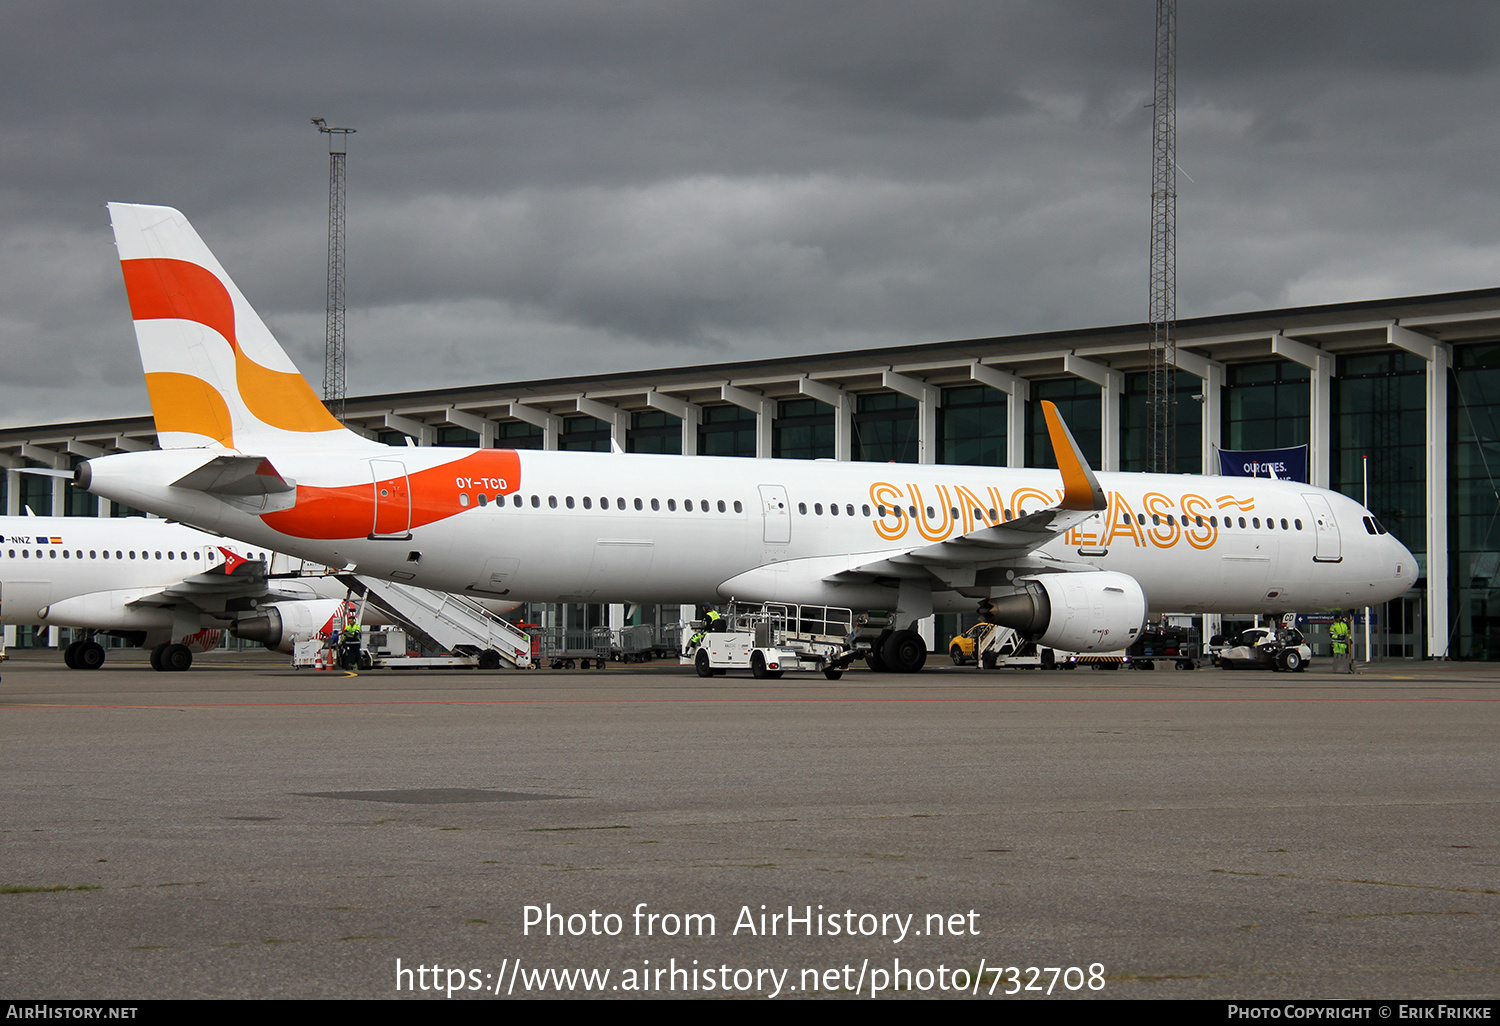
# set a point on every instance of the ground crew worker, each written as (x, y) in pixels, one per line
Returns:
(713, 622)
(1339, 633)
(349, 647)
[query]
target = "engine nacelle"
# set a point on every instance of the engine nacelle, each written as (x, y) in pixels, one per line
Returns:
(280, 625)
(1100, 611)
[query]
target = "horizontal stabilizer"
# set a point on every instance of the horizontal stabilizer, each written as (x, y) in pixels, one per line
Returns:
(236, 475)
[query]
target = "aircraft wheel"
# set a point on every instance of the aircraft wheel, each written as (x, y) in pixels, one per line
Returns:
(833, 674)
(156, 654)
(701, 664)
(90, 656)
(70, 656)
(176, 658)
(905, 652)
(957, 655)
(876, 659)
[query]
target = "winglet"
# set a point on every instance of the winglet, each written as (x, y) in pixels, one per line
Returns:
(1080, 488)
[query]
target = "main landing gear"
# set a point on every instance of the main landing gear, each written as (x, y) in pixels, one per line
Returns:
(171, 658)
(897, 652)
(84, 655)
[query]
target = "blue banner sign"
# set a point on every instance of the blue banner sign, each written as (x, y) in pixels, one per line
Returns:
(1286, 464)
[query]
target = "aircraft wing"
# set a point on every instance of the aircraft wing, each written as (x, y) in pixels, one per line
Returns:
(234, 578)
(1005, 544)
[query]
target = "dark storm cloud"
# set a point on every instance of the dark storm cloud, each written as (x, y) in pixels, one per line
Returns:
(542, 188)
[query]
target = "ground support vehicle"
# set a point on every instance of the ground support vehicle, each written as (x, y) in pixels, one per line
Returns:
(1279, 648)
(1179, 644)
(773, 639)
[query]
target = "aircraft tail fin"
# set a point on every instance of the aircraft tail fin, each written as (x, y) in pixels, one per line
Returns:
(215, 373)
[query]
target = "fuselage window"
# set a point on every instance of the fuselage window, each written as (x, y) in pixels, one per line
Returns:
(552, 501)
(1155, 520)
(931, 514)
(588, 502)
(1283, 523)
(818, 508)
(687, 504)
(1140, 518)
(171, 554)
(568, 501)
(722, 508)
(1255, 523)
(1229, 521)
(1298, 523)
(536, 502)
(638, 504)
(619, 503)
(52, 553)
(24, 554)
(604, 502)
(92, 553)
(1242, 522)
(737, 507)
(655, 505)
(671, 505)
(912, 512)
(704, 504)
(463, 498)
(65, 553)
(954, 510)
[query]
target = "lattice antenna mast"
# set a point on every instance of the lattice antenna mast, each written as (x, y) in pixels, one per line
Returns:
(333, 339)
(1162, 449)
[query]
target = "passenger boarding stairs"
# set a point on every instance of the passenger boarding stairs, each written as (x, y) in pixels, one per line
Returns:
(452, 623)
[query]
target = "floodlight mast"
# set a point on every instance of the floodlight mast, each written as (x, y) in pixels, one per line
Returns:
(334, 378)
(1161, 402)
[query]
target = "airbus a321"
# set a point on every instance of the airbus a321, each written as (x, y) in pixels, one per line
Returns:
(156, 584)
(1070, 557)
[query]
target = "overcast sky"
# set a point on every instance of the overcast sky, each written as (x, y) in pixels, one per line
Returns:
(562, 187)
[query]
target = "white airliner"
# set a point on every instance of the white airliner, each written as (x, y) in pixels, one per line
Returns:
(1072, 558)
(154, 583)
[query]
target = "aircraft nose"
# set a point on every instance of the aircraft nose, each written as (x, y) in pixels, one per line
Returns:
(1403, 567)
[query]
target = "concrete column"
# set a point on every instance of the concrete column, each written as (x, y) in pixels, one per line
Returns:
(764, 409)
(485, 428)
(424, 434)
(843, 413)
(928, 399)
(1320, 408)
(617, 419)
(550, 423)
(1017, 391)
(1211, 374)
(691, 415)
(1111, 386)
(1439, 357)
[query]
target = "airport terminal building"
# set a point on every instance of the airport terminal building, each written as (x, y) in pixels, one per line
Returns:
(1400, 396)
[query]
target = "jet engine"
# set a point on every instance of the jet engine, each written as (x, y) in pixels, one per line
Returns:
(1099, 611)
(279, 625)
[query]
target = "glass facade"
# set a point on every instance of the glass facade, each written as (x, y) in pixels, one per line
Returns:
(1474, 501)
(885, 428)
(1380, 411)
(971, 426)
(459, 437)
(36, 492)
(804, 430)
(726, 431)
(1266, 405)
(519, 435)
(584, 434)
(1135, 417)
(654, 431)
(1080, 404)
